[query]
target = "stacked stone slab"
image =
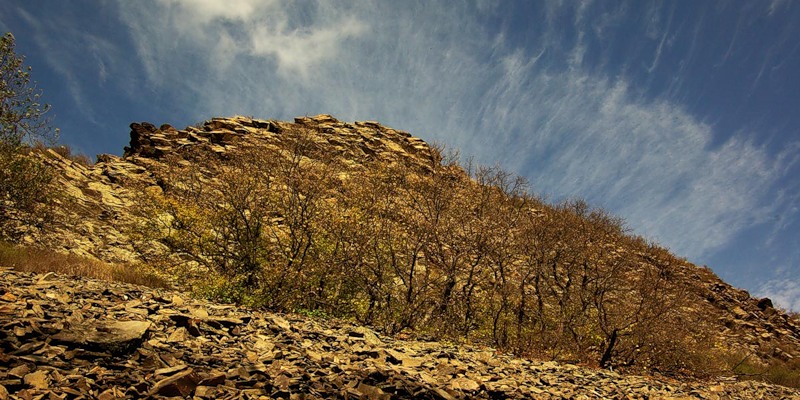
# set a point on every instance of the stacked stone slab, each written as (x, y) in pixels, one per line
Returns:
(357, 142)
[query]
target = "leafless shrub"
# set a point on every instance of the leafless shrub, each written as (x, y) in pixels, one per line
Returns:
(453, 253)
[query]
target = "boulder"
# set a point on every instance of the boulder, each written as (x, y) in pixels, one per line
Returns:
(114, 338)
(765, 303)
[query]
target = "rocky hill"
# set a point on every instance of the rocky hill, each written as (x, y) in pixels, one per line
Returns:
(71, 338)
(100, 194)
(100, 205)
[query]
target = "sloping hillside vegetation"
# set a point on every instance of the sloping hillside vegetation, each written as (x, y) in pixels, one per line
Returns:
(430, 247)
(367, 223)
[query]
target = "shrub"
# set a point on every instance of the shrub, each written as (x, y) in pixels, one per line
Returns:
(249, 218)
(786, 373)
(453, 254)
(24, 180)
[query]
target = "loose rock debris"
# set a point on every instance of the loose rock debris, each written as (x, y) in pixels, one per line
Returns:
(75, 338)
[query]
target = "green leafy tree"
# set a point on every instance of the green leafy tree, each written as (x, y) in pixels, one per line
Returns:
(23, 179)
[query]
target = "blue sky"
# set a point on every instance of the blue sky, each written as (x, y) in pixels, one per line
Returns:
(682, 117)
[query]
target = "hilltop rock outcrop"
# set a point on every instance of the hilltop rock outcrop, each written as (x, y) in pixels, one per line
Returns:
(358, 142)
(100, 195)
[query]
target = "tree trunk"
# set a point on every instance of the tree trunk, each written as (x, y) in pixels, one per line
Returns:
(606, 358)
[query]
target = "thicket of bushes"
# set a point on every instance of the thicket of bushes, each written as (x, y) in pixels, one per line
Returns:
(458, 253)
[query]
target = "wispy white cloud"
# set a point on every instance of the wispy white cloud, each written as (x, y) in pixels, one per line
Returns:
(650, 161)
(66, 50)
(435, 70)
(201, 12)
(228, 31)
(297, 51)
(660, 46)
(776, 5)
(732, 43)
(389, 61)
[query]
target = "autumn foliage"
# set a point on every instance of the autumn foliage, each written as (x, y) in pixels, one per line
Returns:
(442, 250)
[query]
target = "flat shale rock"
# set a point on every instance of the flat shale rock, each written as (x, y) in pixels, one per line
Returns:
(76, 338)
(114, 337)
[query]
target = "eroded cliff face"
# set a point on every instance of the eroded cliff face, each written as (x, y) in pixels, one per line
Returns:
(99, 198)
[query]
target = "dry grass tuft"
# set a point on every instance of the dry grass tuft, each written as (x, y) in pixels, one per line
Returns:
(37, 260)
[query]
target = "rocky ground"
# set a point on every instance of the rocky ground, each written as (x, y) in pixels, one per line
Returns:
(76, 338)
(101, 196)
